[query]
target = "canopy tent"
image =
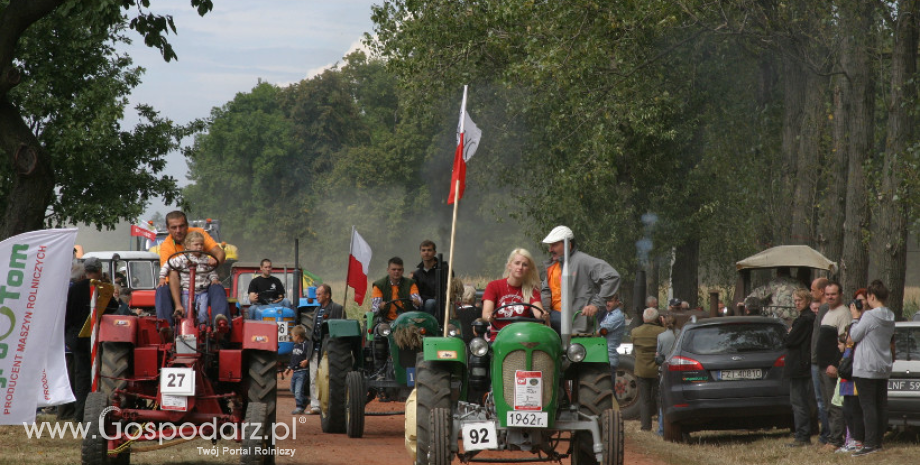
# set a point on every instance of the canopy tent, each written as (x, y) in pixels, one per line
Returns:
(792, 256)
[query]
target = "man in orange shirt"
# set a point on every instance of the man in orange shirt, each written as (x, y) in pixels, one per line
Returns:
(394, 286)
(177, 225)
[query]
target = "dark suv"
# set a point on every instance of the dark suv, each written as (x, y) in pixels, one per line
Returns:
(904, 384)
(726, 373)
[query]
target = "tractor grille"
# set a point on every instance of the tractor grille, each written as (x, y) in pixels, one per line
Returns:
(407, 357)
(516, 361)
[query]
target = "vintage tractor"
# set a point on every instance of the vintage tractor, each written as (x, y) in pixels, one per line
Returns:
(356, 368)
(545, 389)
(155, 383)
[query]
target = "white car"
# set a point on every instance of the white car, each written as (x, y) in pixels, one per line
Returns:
(904, 384)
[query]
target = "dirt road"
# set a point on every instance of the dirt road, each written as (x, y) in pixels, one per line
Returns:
(382, 444)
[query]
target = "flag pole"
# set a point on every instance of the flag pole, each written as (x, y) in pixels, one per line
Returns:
(351, 244)
(453, 226)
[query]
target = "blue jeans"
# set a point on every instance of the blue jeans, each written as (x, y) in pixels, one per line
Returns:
(216, 297)
(822, 404)
(297, 385)
(555, 320)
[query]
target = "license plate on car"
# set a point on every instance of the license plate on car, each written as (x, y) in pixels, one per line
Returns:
(734, 375)
(528, 419)
(904, 384)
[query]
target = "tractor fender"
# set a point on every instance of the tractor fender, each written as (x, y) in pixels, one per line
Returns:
(339, 328)
(118, 328)
(445, 349)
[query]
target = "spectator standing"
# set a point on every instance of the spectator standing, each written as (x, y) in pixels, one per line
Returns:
(833, 325)
(645, 344)
(328, 310)
(872, 364)
(593, 281)
(818, 298)
(798, 366)
(663, 349)
(651, 302)
(77, 312)
(614, 321)
(298, 368)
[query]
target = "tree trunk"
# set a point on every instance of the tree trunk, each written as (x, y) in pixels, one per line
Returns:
(857, 19)
(795, 88)
(685, 272)
(33, 177)
(889, 230)
(805, 192)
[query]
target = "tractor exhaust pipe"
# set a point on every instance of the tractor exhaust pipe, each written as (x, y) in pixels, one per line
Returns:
(566, 326)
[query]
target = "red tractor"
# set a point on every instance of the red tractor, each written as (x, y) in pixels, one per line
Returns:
(153, 384)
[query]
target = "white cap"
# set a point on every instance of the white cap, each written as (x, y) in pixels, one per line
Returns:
(559, 233)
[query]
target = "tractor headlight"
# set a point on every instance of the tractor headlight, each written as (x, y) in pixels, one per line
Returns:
(479, 347)
(383, 329)
(576, 352)
(453, 331)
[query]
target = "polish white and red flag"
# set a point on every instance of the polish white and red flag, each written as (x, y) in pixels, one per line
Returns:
(358, 262)
(468, 136)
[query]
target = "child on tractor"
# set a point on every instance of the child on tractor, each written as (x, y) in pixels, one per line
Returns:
(194, 242)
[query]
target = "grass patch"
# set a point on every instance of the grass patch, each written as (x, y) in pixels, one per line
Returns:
(761, 447)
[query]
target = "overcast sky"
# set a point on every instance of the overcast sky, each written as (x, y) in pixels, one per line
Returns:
(228, 50)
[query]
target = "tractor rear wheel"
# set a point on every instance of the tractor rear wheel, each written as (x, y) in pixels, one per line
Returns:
(627, 388)
(441, 438)
(355, 397)
(95, 448)
(612, 437)
(595, 396)
(432, 384)
(256, 435)
(116, 366)
(334, 365)
(262, 387)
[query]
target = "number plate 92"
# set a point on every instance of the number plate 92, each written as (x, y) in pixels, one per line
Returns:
(527, 419)
(479, 435)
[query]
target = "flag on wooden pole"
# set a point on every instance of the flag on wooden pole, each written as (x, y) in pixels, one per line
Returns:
(468, 136)
(359, 260)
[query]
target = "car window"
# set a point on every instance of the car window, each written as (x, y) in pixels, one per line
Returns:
(907, 343)
(733, 338)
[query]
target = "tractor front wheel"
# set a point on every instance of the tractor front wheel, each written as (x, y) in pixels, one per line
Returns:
(355, 397)
(595, 396)
(432, 384)
(95, 448)
(612, 437)
(441, 437)
(256, 435)
(334, 365)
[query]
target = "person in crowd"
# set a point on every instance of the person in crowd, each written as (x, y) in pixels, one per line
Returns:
(614, 321)
(872, 364)
(852, 411)
(77, 312)
(521, 283)
(645, 344)
(651, 302)
(265, 290)
(798, 366)
(662, 350)
(327, 310)
(431, 276)
(775, 297)
(178, 269)
(298, 368)
(167, 291)
(818, 299)
(593, 280)
(391, 287)
(833, 325)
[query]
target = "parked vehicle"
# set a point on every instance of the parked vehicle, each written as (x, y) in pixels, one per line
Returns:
(726, 373)
(904, 384)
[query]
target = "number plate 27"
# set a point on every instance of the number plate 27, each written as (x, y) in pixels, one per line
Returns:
(177, 381)
(479, 436)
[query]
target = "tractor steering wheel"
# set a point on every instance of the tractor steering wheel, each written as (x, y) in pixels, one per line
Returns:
(386, 304)
(267, 297)
(205, 268)
(517, 319)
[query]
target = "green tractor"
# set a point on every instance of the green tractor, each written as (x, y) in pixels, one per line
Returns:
(541, 389)
(357, 367)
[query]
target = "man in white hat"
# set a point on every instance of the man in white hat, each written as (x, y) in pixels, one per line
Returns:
(593, 280)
